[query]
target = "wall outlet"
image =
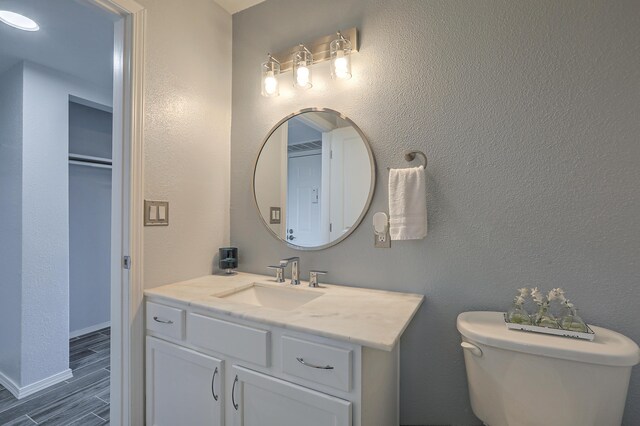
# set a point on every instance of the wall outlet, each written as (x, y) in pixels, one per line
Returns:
(156, 213)
(382, 240)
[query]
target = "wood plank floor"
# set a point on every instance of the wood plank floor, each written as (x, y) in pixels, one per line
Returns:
(82, 400)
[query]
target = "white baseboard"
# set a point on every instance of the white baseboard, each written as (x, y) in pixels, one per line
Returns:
(88, 330)
(21, 392)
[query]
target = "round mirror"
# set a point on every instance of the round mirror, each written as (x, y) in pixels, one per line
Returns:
(314, 179)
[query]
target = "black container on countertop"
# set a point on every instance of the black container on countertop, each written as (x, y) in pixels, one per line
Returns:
(228, 259)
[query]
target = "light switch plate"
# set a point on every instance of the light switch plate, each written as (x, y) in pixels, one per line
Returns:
(156, 213)
(274, 215)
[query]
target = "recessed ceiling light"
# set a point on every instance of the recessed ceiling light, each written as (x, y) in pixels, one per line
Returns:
(18, 21)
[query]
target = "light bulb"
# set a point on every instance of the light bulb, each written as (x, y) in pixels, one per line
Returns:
(342, 67)
(270, 84)
(302, 76)
(340, 58)
(270, 71)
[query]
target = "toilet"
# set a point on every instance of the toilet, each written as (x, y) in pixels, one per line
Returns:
(518, 378)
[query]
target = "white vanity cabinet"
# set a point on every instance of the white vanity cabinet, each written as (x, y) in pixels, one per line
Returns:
(262, 400)
(184, 387)
(206, 368)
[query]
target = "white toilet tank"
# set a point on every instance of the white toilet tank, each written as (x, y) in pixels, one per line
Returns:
(518, 378)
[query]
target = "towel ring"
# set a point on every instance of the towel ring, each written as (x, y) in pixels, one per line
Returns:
(411, 155)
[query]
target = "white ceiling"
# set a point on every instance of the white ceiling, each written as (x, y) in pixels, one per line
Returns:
(74, 37)
(233, 6)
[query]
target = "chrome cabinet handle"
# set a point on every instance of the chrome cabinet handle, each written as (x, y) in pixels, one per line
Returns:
(306, 364)
(156, 319)
(233, 391)
(213, 382)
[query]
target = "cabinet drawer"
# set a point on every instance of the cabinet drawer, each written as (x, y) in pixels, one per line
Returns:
(318, 363)
(241, 342)
(165, 320)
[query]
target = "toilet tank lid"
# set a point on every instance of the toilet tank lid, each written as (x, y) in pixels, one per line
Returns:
(608, 347)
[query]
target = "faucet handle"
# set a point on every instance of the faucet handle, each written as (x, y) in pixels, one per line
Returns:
(313, 277)
(279, 272)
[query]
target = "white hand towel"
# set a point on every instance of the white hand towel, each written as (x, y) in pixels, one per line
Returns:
(407, 204)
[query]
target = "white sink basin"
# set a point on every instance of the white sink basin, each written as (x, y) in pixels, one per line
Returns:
(284, 299)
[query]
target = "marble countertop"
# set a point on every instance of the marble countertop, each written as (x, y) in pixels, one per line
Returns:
(372, 318)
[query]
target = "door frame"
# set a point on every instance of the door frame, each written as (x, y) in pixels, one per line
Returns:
(127, 327)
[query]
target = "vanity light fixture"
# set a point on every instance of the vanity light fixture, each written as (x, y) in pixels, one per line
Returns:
(340, 58)
(336, 48)
(302, 61)
(270, 72)
(18, 21)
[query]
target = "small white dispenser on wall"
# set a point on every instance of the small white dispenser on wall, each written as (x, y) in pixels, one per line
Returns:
(381, 230)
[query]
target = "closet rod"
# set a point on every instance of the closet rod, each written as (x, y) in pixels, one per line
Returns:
(90, 159)
(90, 164)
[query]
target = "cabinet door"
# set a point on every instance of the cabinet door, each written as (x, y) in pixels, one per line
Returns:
(261, 400)
(184, 387)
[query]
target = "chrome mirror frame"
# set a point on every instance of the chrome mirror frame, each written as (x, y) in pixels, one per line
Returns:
(372, 186)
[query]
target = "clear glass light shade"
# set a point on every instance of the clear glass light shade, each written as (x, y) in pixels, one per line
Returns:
(270, 72)
(302, 61)
(340, 59)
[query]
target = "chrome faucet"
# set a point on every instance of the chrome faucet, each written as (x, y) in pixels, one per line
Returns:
(295, 268)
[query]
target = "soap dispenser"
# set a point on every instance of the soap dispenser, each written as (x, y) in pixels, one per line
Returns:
(228, 259)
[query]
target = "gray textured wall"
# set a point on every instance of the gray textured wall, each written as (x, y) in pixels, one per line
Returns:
(528, 112)
(44, 321)
(89, 131)
(186, 136)
(11, 87)
(89, 220)
(89, 247)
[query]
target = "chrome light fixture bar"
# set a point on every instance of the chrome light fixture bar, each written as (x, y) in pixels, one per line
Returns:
(300, 59)
(319, 48)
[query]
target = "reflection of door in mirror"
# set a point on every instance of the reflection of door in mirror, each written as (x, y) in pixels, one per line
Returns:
(272, 192)
(304, 226)
(349, 179)
(303, 203)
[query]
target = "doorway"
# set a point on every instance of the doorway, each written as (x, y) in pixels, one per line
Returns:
(126, 19)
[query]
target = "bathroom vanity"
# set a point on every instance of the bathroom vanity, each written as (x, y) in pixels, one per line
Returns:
(245, 350)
